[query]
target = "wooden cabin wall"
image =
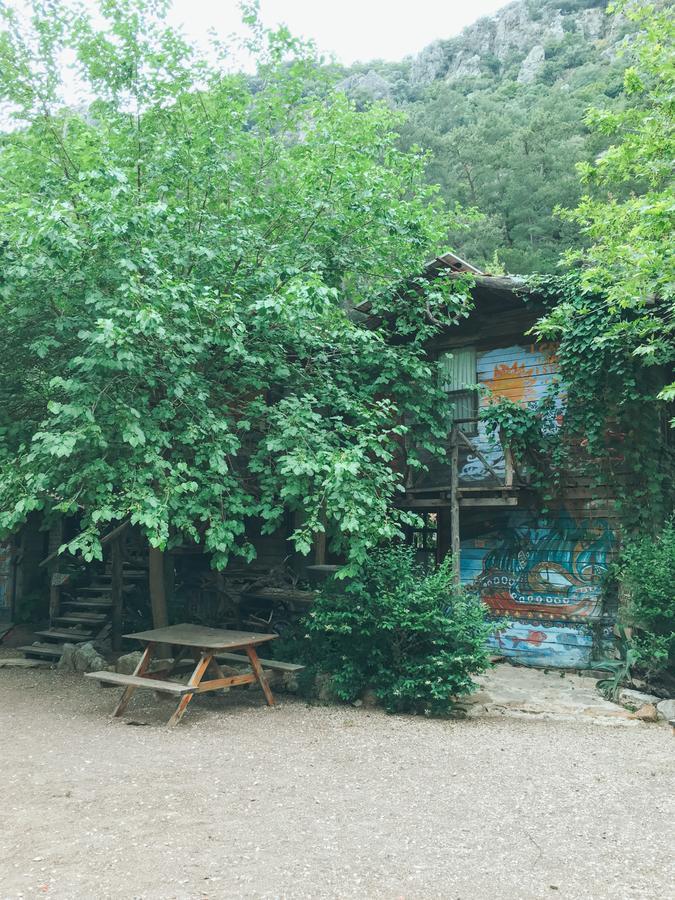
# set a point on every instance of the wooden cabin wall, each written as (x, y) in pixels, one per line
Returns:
(541, 576)
(540, 572)
(271, 549)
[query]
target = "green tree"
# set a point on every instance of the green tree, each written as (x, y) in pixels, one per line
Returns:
(628, 212)
(509, 151)
(406, 633)
(179, 259)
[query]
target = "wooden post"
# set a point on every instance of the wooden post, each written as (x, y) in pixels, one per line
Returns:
(320, 543)
(454, 505)
(443, 546)
(116, 593)
(54, 600)
(508, 467)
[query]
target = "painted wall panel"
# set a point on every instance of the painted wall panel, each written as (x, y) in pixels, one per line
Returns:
(522, 373)
(541, 576)
(564, 645)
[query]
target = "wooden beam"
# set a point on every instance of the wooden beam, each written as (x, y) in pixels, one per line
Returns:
(110, 536)
(116, 593)
(508, 466)
(443, 541)
(489, 501)
(430, 503)
(454, 507)
(480, 456)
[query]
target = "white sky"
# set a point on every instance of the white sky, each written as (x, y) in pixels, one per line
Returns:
(350, 30)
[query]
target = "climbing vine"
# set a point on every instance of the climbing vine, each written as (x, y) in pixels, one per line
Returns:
(601, 418)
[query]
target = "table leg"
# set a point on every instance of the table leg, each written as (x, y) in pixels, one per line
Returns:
(140, 669)
(195, 678)
(260, 675)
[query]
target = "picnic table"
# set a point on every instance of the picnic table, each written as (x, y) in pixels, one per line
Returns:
(203, 644)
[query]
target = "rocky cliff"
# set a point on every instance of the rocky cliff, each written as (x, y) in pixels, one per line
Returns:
(525, 41)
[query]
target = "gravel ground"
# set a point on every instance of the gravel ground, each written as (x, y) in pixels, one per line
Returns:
(323, 802)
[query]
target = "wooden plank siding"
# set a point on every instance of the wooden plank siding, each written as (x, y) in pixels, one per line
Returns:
(539, 572)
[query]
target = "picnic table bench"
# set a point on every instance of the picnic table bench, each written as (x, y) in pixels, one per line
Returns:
(206, 646)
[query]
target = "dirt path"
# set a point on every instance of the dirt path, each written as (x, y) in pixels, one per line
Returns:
(297, 801)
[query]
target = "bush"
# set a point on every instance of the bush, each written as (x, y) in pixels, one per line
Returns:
(403, 632)
(647, 572)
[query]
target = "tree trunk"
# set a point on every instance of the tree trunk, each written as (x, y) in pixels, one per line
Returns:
(454, 508)
(160, 616)
(116, 593)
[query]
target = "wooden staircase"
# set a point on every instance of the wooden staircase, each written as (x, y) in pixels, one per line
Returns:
(88, 616)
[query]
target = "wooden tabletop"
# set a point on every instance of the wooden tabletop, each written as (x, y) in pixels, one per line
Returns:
(202, 637)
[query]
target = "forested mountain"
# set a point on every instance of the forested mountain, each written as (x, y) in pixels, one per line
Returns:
(502, 108)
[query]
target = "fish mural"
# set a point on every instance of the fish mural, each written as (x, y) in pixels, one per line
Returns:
(556, 644)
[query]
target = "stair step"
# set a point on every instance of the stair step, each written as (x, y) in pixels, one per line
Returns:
(50, 651)
(63, 634)
(94, 590)
(126, 573)
(82, 619)
(83, 603)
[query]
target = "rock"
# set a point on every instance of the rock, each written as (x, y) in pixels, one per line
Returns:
(289, 682)
(81, 658)
(88, 659)
(466, 65)
(323, 687)
(127, 663)
(67, 661)
(532, 65)
(368, 87)
(666, 710)
(369, 699)
(636, 699)
(646, 713)
(517, 33)
(430, 64)
(591, 23)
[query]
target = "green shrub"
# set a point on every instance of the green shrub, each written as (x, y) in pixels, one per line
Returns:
(399, 630)
(647, 573)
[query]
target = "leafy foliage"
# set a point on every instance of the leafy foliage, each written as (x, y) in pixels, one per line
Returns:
(529, 430)
(647, 571)
(613, 427)
(399, 630)
(628, 212)
(179, 259)
(509, 152)
(619, 669)
(505, 146)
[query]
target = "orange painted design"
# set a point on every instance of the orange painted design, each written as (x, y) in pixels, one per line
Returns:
(515, 382)
(502, 603)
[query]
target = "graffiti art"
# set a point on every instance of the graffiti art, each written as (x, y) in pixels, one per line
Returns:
(535, 568)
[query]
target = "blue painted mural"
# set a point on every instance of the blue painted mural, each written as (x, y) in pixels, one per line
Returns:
(519, 373)
(560, 644)
(543, 578)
